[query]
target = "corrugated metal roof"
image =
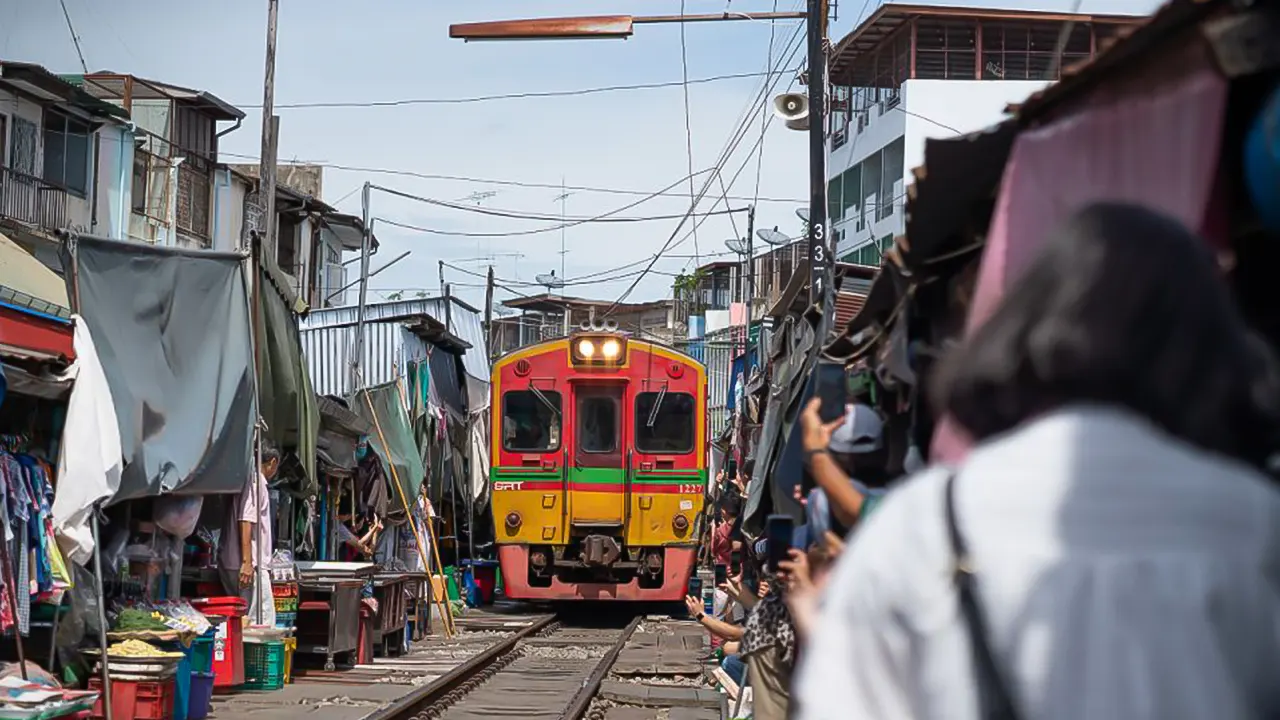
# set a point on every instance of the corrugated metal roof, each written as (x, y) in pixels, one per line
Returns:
(847, 306)
(328, 337)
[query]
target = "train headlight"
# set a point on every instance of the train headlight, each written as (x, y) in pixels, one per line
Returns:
(600, 350)
(513, 521)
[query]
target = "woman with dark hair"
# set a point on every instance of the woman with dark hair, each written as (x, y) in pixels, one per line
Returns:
(1110, 548)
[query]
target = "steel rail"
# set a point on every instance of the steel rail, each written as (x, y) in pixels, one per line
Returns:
(421, 698)
(582, 700)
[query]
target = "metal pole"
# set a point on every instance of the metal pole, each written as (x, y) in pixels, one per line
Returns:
(819, 262)
(366, 242)
(267, 163)
(488, 314)
(102, 611)
(751, 273)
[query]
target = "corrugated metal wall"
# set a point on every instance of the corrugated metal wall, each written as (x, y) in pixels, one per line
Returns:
(388, 350)
(464, 322)
(717, 355)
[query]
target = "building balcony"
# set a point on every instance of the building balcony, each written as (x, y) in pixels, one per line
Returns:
(30, 201)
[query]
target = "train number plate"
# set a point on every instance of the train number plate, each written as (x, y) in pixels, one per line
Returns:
(690, 489)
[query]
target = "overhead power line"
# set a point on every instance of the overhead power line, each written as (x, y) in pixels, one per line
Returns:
(507, 183)
(732, 145)
(429, 201)
(526, 215)
(335, 104)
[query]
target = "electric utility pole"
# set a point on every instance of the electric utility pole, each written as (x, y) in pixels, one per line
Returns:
(819, 258)
(488, 314)
(270, 126)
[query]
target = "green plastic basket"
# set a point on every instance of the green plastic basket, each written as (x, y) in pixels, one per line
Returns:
(264, 665)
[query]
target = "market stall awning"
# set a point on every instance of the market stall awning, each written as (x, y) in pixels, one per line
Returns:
(35, 322)
(172, 331)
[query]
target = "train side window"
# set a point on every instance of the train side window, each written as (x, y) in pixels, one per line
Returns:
(531, 421)
(597, 425)
(667, 426)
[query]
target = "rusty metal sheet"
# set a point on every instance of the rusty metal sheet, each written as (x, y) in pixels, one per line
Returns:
(602, 26)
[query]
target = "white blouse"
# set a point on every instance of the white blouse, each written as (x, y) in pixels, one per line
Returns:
(1124, 575)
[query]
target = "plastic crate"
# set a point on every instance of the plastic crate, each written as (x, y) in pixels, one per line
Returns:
(264, 664)
(136, 700)
(290, 649)
(202, 652)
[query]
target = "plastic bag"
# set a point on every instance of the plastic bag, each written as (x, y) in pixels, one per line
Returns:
(178, 515)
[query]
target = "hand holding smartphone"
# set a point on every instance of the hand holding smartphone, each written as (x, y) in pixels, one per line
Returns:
(833, 390)
(778, 534)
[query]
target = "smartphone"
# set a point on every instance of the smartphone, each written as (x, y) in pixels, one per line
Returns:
(735, 562)
(722, 574)
(778, 532)
(832, 389)
(695, 587)
(730, 469)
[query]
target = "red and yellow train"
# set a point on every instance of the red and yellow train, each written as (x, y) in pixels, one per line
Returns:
(599, 468)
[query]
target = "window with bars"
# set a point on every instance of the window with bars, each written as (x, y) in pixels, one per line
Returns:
(1028, 50)
(150, 186)
(194, 195)
(946, 49)
(839, 116)
(892, 160)
(68, 144)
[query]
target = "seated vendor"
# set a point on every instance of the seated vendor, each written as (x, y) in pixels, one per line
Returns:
(359, 537)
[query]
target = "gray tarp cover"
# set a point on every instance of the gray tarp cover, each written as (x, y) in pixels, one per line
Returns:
(172, 332)
(285, 398)
(400, 451)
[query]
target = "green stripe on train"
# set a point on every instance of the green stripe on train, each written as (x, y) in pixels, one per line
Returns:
(604, 476)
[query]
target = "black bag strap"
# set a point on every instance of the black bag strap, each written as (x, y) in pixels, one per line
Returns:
(995, 701)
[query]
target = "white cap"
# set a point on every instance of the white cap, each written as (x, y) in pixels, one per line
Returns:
(862, 432)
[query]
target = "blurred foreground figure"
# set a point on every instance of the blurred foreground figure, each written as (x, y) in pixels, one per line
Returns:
(1108, 549)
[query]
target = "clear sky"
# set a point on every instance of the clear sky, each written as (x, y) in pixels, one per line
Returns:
(397, 50)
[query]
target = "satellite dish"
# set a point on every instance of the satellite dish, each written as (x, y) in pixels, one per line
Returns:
(736, 245)
(551, 282)
(791, 106)
(803, 214)
(773, 237)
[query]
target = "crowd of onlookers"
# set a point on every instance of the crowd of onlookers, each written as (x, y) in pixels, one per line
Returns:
(1109, 546)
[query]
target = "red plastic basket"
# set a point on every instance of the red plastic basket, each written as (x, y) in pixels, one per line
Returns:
(136, 700)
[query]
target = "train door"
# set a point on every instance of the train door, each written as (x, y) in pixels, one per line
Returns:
(596, 458)
(667, 481)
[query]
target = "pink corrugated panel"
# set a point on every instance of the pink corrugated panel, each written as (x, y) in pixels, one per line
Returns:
(1159, 150)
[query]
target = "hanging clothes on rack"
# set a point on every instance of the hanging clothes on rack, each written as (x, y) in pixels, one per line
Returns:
(37, 569)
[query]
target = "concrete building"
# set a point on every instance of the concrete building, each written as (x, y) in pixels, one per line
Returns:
(58, 158)
(177, 192)
(913, 72)
(547, 316)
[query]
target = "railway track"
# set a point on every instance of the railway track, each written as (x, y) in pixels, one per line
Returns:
(561, 668)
